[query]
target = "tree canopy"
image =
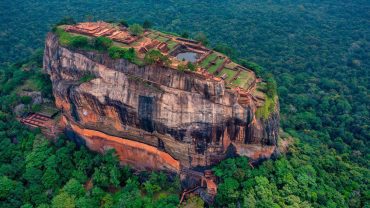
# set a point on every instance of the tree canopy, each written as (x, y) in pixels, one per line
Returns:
(136, 29)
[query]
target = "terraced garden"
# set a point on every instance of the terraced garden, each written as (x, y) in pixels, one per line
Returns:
(215, 63)
(162, 39)
(138, 42)
(171, 44)
(158, 36)
(229, 72)
(219, 61)
(152, 35)
(208, 59)
(244, 79)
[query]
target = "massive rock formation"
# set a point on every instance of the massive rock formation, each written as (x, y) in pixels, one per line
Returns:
(155, 117)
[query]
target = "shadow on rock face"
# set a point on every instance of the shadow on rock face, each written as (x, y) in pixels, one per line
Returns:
(231, 151)
(71, 135)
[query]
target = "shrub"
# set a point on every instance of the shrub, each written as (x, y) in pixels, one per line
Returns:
(26, 99)
(123, 22)
(201, 37)
(87, 77)
(79, 42)
(130, 54)
(182, 67)
(225, 49)
(191, 66)
(136, 29)
(116, 52)
(185, 35)
(102, 43)
(66, 39)
(253, 66)
(155, 56)
(36, 108)
(42, 83)
(271, 86)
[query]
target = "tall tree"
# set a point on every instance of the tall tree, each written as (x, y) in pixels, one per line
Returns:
(147, 24)
(136, 29)
(201, 37)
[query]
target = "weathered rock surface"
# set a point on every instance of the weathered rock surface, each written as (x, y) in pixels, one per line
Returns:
(155, 117)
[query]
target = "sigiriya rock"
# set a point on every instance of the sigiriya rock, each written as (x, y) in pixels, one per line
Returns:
(159, 116)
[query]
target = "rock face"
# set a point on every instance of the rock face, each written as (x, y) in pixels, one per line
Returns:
(155, 117)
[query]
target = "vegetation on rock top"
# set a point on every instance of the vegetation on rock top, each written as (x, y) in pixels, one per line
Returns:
(101, 44)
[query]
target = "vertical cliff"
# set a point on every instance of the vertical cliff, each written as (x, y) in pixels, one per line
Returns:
(154, 116)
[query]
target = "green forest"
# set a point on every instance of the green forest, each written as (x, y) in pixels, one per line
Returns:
(317, 51)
